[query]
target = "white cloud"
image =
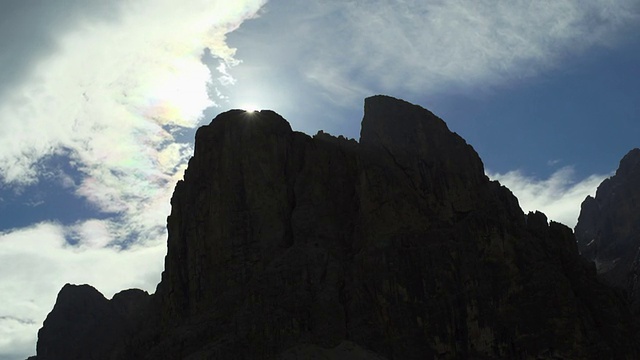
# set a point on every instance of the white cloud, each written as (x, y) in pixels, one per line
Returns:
(36, 262)
(559, 196)
(106, 95)
(92, 233)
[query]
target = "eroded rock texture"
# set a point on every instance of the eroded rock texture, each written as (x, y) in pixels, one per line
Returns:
(283, 246)
(608, 229)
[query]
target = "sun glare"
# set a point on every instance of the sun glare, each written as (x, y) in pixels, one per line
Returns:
(249, 108)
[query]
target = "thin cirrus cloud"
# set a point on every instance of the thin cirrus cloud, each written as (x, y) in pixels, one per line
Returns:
(351, 49)
(108, 96)
(426, 46)
(558, 196)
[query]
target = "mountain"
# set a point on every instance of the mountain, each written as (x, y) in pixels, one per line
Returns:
(286, 246)
(85, 325)
(608, 229)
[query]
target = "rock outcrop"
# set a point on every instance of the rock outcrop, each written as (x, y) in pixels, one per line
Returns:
(608, 229)
(85, 325)
(284, 246)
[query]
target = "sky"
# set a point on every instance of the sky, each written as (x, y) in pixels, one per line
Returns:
(100, 100)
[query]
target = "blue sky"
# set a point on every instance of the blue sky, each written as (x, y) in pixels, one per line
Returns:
(99, 102)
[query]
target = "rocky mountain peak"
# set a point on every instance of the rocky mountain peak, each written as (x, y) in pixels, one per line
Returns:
(435, 163)
(285, 246)
(388, 120)
(85, 325)
(630, 164)
(405, 129)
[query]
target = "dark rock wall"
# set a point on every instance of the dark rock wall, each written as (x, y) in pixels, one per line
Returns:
(608, 229)
(283, 245)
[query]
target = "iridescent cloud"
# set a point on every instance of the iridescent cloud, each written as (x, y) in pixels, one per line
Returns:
(108, 96)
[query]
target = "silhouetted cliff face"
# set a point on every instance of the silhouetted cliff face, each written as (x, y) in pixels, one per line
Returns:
(283, 245)
(608, 229)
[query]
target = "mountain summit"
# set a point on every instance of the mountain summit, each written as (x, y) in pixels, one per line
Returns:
(286, 246)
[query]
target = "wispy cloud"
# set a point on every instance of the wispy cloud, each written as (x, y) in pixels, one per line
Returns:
(431, 46)
(558, 196)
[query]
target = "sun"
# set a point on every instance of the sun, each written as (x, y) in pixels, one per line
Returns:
(250, 108)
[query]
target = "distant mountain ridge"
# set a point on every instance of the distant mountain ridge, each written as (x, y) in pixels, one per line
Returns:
(286, 246)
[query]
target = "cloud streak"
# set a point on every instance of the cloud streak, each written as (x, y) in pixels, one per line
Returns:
(558, 196)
